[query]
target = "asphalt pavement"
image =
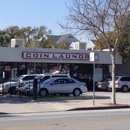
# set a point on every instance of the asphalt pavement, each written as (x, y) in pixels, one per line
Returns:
(18, 105)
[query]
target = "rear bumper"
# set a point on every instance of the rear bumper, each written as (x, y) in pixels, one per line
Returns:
(102, 87)
(115, 88)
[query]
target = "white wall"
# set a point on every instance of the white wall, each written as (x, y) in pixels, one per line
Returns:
(8, 54)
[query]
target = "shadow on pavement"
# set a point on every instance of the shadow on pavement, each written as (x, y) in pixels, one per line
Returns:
(116, 106)
(15, 99)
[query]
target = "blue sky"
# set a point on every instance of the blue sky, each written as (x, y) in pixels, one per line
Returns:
(23, 13)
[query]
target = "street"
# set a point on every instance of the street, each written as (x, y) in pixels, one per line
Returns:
(78, 120)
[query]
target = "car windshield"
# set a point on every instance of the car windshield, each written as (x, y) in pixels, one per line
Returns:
(116, 78)
(38, 77)
(18, 78)
(105, 80)
(48, 81)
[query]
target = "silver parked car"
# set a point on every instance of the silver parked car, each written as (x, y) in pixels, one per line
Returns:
(103, 84)
(60, 85)
(121, 83)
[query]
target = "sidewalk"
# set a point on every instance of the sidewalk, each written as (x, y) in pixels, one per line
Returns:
(10, 104)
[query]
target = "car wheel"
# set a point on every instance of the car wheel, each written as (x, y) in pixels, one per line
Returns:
(76, 92)
(107, 89)
(12, 91)
(125, 89)
(43, 93)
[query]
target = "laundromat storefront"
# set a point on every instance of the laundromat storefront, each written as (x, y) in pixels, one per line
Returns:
(76, 63)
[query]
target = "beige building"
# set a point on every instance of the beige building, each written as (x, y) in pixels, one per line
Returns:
(17, 61)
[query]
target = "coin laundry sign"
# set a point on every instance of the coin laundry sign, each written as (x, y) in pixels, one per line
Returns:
(28, 55)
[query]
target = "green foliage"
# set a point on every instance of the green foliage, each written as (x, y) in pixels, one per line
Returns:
(100, 43)
(29, 34)
(26, 33)
(123, 44)
(63, 45)
(124, 47)
(33, 37)
(46, 43)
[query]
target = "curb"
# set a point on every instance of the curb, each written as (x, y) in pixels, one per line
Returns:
(100, 108)
(82, 109)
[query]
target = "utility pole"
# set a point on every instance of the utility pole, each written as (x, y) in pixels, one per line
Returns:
(92, 58)
(34, 37)
(34, 58)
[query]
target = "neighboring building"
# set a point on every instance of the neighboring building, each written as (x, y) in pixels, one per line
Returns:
(89, 45)
(75, 44)
(78, 46)
(58, 39)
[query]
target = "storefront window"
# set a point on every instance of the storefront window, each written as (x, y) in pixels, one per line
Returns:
(38, 68)
(55, 67)
(102, 72)
(34, 68)
(74, 71)
(106, 72)
(21, 69)
(99, 73)
(14, 70)
(66, 68)
(1, 70)
(1, 73)
(85, 71)
(44, 68)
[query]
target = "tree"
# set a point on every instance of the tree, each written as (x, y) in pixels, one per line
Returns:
(63, 45)
(123, 44)
(124, 47)
(29, 34)
(26, 33)
(2, 39)
(11, 32)
(46, 43)
(99, 17)
(41, 38)
(100, 43)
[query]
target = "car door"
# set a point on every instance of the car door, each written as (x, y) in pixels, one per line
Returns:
(44, 78)
(26, 79)
(68, 86)
(128, 82)
(56, 86)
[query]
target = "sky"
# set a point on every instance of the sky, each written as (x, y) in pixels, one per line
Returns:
(35, 13)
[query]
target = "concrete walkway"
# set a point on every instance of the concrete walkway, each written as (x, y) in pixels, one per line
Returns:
(13, 104)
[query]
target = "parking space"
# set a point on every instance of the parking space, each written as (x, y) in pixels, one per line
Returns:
(120, 97)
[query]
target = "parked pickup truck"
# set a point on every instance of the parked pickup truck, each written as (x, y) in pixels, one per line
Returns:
(10, 87)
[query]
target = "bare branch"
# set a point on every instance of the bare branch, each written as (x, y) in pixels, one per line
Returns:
(99, 17)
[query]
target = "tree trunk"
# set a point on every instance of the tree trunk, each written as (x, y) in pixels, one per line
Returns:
(113, 78)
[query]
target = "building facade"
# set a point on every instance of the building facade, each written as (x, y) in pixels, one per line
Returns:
(17, 61)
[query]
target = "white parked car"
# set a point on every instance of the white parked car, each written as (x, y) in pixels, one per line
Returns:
(10, 87)
(60, 85)
(121, 83)
(43, 77)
